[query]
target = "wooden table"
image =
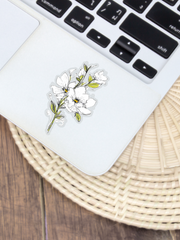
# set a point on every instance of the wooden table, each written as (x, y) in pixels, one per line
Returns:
(30, 209)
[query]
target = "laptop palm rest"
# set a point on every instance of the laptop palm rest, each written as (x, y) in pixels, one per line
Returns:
(93, 145)
(15, 28)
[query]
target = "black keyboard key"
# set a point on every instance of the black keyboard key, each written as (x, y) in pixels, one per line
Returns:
(111, 11)
(98, 38)
(124, 49)
(144, 68)
(171, 2)
(57, 8)
(149, 35)
(91, 4)
(138, 5)
(165, 18)
(121, 53)
(79, 19)
(128, 45)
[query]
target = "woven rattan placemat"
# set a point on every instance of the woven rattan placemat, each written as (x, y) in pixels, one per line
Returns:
(141, 189)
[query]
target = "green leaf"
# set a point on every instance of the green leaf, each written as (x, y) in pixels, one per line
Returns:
(90, 78)
(85, 68)
(53, 107)
(93, 85)
(58, 114)
(78, 79)
(82, 84)
(59, 117)
(81, 77)
(78, 117)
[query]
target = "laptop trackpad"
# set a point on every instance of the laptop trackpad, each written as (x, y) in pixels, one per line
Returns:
(15, 27)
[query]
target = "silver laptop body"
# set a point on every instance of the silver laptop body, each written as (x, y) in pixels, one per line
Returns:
(83, 79)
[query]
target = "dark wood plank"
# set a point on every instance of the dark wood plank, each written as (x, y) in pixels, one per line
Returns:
(20, 209)
(20, 206)
(175, 235)
(68, 221)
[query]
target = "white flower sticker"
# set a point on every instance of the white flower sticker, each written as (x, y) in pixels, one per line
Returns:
(72, 93)
(78, 101)
(100, 78)
(64, 85)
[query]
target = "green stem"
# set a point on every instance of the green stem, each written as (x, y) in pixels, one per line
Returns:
(77, 85)
(61, 103)
(88, 83)
(51, 124)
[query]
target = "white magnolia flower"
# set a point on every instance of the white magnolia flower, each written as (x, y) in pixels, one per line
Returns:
(100, 78)
(65, 85)
(79, 101)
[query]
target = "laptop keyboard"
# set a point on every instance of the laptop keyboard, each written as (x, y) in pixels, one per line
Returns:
(149, 35)
(139, 35)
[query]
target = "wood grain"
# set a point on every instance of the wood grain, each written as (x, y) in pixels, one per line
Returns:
(20, 209)
(23, 196)
(175, 235)
(68, 221)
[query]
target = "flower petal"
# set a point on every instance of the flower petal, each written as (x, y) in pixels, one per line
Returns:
(60, 96)
(70, 102)
(79, 105)
(81, 72)
(74, 109)
(79, 92)
(60, 121)
(71, 108)
(85, 111)
(70, 105)
(100, 76)
(84, 98)
(56, 89)
(63, 81)
(68, 108)
(72, 85)
(100, 82)
(71, 93)
(49, 113)
(90, 103)
(72, 70)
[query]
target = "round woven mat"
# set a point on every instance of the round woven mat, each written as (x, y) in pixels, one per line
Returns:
(143, 186)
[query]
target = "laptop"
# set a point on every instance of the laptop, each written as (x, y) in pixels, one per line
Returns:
(82, 77)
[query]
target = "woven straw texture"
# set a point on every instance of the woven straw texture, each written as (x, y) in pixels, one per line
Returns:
(141, 189)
